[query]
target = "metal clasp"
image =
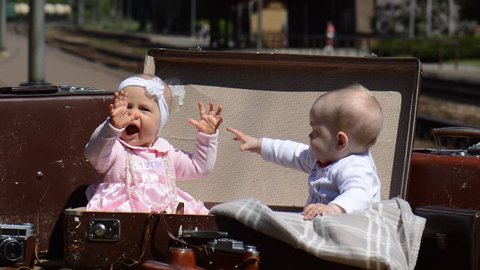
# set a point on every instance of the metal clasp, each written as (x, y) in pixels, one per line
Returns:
(104, 230)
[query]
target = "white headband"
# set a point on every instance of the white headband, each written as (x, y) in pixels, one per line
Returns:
(155, 87)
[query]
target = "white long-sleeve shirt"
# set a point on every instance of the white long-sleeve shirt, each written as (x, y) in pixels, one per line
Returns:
(351, 182)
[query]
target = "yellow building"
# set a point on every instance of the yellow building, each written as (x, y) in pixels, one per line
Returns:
(303, 22)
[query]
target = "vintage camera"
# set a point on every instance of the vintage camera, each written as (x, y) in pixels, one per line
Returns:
(226, 253)
(16, 244)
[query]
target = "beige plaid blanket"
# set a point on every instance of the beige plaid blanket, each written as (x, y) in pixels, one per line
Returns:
(387, 236)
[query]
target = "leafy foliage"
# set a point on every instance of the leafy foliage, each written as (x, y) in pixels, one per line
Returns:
(430, 50)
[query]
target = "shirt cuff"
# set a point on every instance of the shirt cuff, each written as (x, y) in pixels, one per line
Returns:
(108, 130)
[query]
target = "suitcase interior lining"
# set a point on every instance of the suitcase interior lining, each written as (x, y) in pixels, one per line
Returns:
(277, 114)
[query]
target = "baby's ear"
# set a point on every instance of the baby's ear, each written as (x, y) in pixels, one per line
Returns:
(342, 140)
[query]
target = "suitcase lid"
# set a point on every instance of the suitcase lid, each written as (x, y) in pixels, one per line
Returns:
(270, 95)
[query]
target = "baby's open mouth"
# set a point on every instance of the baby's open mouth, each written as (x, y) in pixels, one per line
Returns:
(132, 129)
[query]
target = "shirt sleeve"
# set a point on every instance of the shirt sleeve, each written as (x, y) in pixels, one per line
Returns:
(200, 162)
(358, 185)
(288, 153)
(99, 149)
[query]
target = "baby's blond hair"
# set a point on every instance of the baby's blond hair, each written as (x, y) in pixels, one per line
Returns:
(355, 111)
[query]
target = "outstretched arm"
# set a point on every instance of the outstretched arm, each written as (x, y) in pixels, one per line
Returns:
(209, 121)
(247, 143)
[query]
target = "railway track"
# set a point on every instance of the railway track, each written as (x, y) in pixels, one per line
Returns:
(127, 51)
(426, 123)
(461, 91)
(447, 103)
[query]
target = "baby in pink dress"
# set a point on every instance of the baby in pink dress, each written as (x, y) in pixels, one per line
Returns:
(138, 166)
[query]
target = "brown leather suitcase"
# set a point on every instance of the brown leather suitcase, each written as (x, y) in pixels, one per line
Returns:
(443, 188)
(261, 93)
(44, 170)
(448, 175)
(451, 239)
(100, 240)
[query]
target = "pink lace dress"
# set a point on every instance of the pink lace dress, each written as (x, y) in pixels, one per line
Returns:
(142, 179)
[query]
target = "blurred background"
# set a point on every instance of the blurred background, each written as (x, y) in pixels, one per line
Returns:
(443, 34)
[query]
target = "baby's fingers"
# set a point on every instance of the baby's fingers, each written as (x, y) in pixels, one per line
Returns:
(194, 123)
(213, 120)
(238, 136)
(309, 215)
(311, 211)
(120, 99)
(116, 111)
(219, 120)
(219, 110)
(210, 108)
(235, 132)
(201, 108)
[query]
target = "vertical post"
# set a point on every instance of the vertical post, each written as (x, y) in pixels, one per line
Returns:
(80, 19)
(452, 16)
(129, 13)
(238, 24)
(250, 30)
(411, 28)
(3, 24)
(285, 33)
(119, 15)
(428, 26)
(72, 12)
(193, 17)
(305, 34)
(259, 30)
(36, 43)
(98, 13)
(113, 10)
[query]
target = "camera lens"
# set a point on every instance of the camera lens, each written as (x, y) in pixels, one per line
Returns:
(11, 250)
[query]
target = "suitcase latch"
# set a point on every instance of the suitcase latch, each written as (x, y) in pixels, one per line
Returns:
(104, 230)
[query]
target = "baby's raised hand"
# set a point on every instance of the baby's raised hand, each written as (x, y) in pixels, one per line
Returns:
(209, 121)
(120, 116)
(247, 143)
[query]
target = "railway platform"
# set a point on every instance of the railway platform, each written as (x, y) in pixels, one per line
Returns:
(453, 72)
(65, 68)
(61, 68)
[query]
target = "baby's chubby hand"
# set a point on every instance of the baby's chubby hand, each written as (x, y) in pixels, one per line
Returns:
(120, 115)
(247, 143)
(312, 210)
(209, 121)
